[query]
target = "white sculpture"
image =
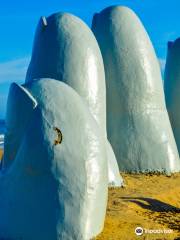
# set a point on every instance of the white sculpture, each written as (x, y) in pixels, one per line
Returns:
(171, 86)
(66, 50)
(20, 107)
(138, 126)
(56, 187)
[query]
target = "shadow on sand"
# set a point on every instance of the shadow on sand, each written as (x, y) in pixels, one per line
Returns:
(152, 204)
(159, 212)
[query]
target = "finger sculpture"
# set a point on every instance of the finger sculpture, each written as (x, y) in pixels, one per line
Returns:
(65, 49)
(54, 190)
(138, 126)
(16, 121)
(171, 86)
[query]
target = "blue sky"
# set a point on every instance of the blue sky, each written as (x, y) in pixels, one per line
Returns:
(18, 21)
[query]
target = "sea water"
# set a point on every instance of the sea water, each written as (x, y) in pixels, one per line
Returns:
(2, 132)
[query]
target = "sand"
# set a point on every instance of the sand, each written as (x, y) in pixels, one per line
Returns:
(151, 202)
(148, 201)
(1, 153)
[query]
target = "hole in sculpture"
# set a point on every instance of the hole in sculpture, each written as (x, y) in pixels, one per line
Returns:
(59, 136)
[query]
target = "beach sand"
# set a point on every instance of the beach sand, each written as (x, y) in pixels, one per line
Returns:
(1, 153)
(148, 201)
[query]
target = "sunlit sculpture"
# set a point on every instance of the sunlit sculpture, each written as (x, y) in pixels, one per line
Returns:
(65, 49)
(138, 126)
(55, 187)
(171, 86)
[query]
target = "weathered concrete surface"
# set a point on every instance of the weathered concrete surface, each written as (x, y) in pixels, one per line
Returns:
(172, 87)
(137, 121)
(54, 191)
(65, 49)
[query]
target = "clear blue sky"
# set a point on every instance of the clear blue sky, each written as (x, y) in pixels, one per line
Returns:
(18, 20)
